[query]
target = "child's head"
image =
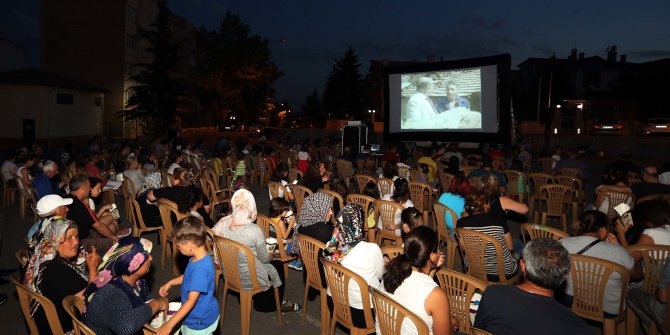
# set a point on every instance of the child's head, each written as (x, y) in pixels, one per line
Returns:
(190, 229)
(411, 218)
(278, 206)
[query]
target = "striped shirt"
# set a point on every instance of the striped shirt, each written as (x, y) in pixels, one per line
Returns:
(493, 223)
(573, 164)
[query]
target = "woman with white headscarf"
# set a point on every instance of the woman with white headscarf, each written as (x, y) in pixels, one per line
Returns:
(239, 227)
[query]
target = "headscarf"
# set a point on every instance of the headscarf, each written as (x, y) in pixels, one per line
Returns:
(151, 182)
(347, 233)
(125, 257)
(314, 209)
(46, 251)
(432, 166)
(244, 212)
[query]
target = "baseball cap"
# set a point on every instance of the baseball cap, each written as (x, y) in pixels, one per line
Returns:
(51, 202)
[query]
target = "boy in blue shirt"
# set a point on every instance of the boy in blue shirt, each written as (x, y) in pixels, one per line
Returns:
(199, 308)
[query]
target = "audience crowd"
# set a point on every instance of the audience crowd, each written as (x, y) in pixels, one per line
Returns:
(92, 203)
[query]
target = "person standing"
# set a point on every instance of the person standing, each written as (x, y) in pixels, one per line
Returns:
(199, 308)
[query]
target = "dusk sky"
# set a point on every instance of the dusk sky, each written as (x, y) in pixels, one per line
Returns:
(318, 32)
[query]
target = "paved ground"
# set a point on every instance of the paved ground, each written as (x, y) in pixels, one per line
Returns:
(13, 229)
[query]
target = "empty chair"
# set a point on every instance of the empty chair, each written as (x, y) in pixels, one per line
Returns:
(554, 196)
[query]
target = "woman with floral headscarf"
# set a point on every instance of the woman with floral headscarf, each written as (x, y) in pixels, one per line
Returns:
(116, 301)
(239, 226)
(347, 248)
(53, 271)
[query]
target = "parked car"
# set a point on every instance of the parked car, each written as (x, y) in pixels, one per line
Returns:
(604, 125)
(656, 125)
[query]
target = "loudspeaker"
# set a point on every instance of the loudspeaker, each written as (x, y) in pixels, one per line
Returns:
(355, 137)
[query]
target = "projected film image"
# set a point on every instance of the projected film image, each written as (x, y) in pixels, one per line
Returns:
(441, 100)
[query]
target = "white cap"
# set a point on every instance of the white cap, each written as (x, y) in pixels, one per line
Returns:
(50, 202)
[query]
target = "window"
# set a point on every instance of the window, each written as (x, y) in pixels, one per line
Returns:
(131, 14)
(130, 70)
(97, 101)
(64, 99)
(131, 42)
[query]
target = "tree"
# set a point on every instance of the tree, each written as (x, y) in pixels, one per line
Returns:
(235, 70)
(343, 95)
(311, 109)
(157, 98)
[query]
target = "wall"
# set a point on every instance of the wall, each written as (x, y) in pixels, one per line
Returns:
(81, 118)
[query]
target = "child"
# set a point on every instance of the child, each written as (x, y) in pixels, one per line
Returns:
(410, 218)
(199, 308)
(281, 214)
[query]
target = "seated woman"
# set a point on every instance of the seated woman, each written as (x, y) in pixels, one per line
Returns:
(401, 194)
(53, 270)
(486, 216)
(239, 226)
(338, 185)
(620, 180)
(316, 176)
(104, 213)
(651, 225)
(315, 216)
(454, 199)
(594, 240)
(347, 248)
(411, 218)
(118, 301)
(407, 280)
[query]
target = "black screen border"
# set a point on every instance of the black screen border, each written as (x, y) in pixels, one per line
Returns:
(503, 111)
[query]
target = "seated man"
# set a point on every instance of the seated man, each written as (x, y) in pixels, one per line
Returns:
(91, 230)
(530, 307)
(44, 183)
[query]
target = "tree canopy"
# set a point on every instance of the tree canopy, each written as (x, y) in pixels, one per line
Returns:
(157, 98)
(343, 95)
(235, 70)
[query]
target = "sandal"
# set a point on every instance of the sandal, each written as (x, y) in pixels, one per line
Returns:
(288, 306)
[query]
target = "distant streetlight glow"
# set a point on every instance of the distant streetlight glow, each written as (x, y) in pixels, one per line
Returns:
(580, 106)
(555, 130)
(558, 106)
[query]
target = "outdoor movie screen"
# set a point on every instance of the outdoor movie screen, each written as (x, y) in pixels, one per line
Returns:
(460, 97)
